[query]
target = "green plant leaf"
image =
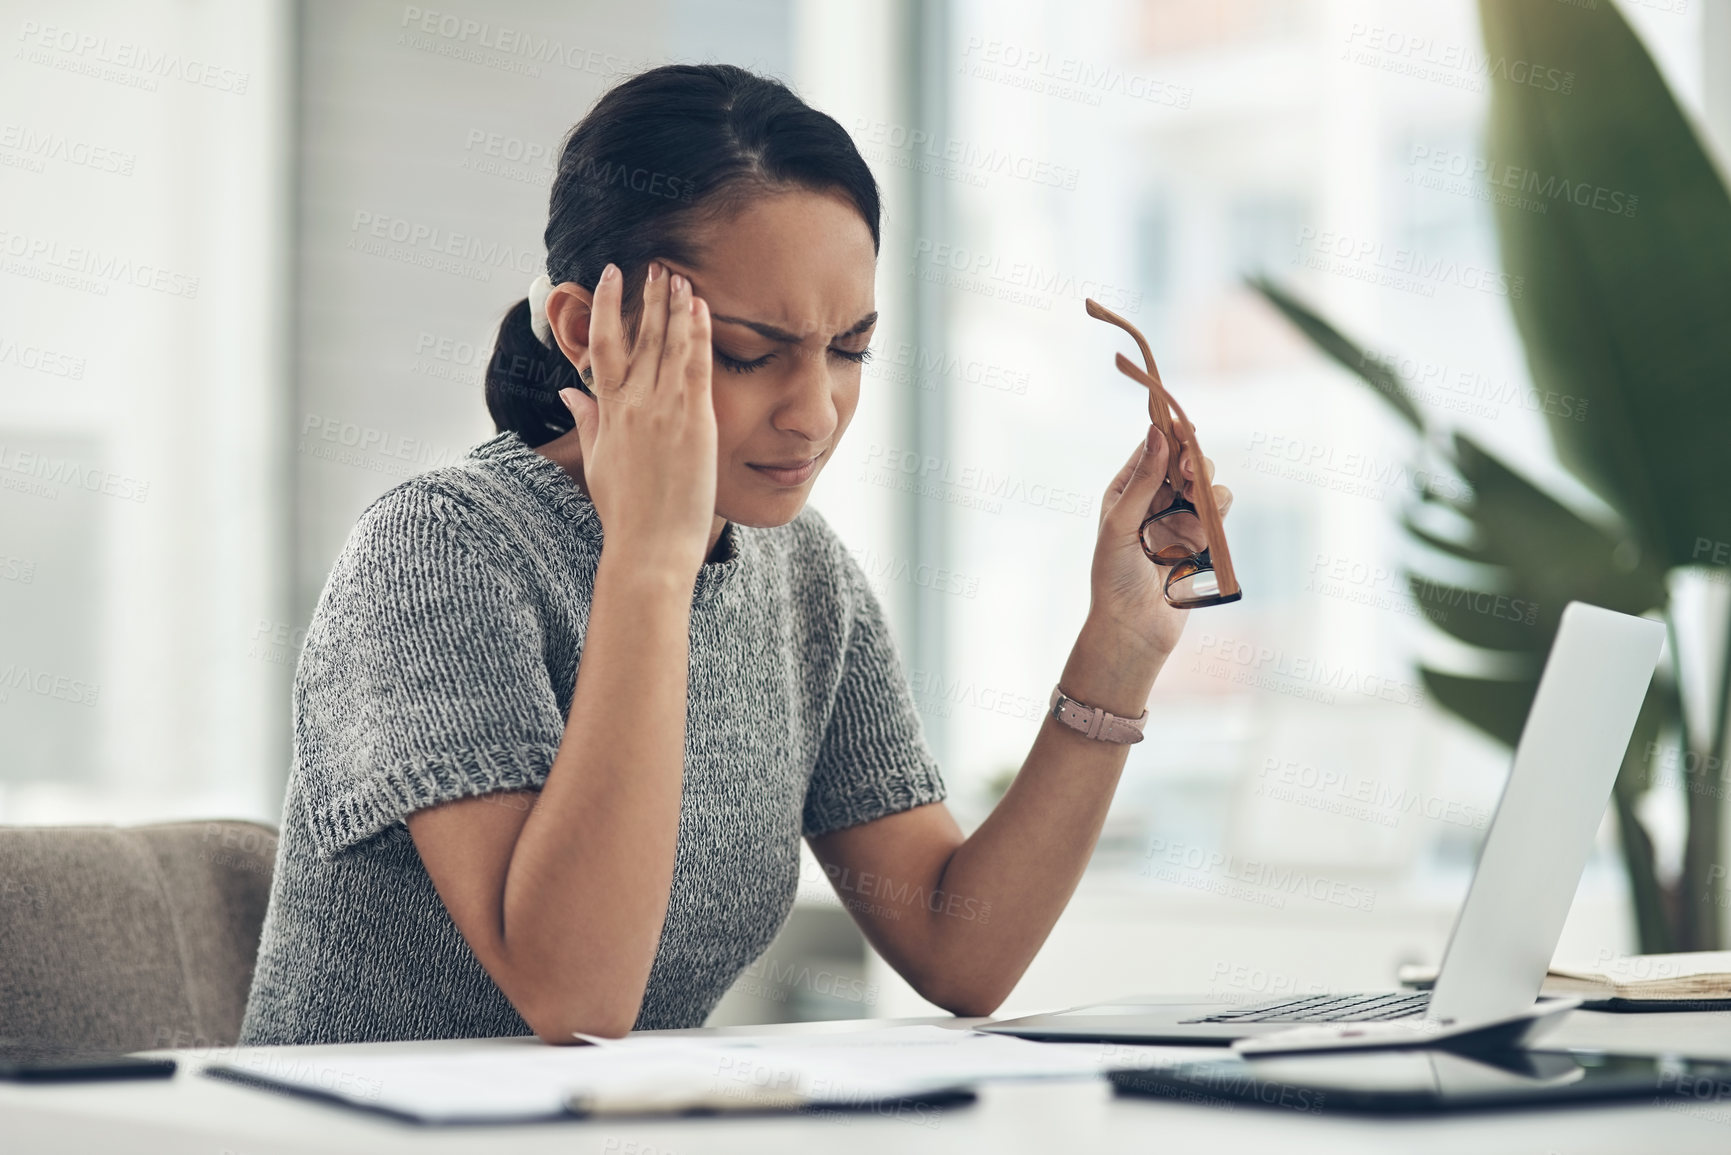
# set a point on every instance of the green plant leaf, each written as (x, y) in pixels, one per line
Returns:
(1343, 349)
(1494, 706)
(1468, 553)
(1624, 280)
(1653, 931)
(1615, 230)
(1546, 555)
(1557, 555)
(1489, 619)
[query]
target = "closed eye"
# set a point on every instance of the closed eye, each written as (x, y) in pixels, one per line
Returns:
(735, 365)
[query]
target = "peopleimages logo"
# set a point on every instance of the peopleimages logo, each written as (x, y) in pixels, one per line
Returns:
(429, 242)
(938, 695)
(94, 269)
(1338, 792)
(1455, 65)
(1367, 259)
(1259, 876)
(778, 978)
(71, 474)
(1064, 77)
(41, 360)
(46, 684)
(364, 447)
(907, 364)
(1022, 282)
(964, 159)
(1469, 391)
(1353, 473)
(878, 567)
(520, 51)
(110, 59)
(1442, 163)
(936, 900)
(1242, 1085)
(40, 145)
(1271, 667)
(941, 478)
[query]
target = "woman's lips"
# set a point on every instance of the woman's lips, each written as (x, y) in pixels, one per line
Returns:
(789, 476)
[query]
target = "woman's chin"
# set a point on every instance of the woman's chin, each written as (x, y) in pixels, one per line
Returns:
(766, 511)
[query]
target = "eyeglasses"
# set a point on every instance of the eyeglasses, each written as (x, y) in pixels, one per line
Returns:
(1187, 540)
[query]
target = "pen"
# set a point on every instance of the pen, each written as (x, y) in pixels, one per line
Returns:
(682, 1097)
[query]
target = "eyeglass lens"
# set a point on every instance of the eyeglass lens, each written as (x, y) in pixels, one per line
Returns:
(1175, 534)
(1193, 583)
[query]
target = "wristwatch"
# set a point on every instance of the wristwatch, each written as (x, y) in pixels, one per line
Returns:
(1094, 722)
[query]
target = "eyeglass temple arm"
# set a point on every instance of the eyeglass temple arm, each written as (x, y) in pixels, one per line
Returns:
(1158, 402)
(1156, 413)
(1218, 555)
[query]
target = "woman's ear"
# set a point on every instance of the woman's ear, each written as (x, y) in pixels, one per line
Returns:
(568, 312)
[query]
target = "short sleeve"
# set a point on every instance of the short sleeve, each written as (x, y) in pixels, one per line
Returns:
(423, 678)
(873, 760)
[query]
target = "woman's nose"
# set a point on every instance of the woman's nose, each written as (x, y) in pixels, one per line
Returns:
(809, 408)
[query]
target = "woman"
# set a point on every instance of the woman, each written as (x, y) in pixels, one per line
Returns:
(483, 834)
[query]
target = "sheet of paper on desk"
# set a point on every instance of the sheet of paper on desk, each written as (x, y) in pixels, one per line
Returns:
(938, 1052)
(495, 1084)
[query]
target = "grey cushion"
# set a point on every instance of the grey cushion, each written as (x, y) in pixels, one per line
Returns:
(131, 937)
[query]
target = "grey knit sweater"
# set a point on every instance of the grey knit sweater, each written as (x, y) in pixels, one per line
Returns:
(440, 663)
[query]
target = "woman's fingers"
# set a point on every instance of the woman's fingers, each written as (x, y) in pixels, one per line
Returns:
(606, 332)
(671, 342)
(1123, 474)
(585, 414)
(649, 463)
(1142, 478)
(1188, 466)
(1187, 462)
(651, 331)
(701, 361)
(676, 337)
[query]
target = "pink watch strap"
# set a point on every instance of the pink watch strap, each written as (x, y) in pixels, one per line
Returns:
(1094, 722)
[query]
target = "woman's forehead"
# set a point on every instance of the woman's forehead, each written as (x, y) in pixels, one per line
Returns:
(802, 263)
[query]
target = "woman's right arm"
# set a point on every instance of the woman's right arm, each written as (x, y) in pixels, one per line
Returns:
(563, 901)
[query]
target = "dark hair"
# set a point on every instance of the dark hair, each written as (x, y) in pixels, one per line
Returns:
(663, 151)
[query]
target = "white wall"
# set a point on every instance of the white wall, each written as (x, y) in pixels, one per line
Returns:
(142, 162)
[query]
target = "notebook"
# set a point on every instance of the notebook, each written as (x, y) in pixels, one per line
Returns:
(1691, 981)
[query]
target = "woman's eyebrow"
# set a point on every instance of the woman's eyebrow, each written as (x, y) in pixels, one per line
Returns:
(775, 334)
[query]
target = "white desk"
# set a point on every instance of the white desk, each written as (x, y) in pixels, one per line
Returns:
(194, 1115)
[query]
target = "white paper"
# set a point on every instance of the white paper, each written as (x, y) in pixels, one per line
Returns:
(493, 1083)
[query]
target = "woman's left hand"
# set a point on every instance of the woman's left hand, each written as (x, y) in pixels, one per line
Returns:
(1129, 590)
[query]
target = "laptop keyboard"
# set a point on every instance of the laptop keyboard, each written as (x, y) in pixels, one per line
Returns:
(1327, 1009)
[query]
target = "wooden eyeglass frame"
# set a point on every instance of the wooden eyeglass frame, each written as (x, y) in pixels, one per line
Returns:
(1169, 418)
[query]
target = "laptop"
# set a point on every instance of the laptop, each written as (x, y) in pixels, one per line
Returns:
(1528, 869)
